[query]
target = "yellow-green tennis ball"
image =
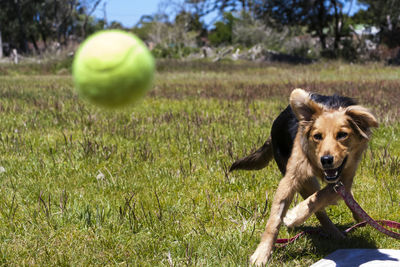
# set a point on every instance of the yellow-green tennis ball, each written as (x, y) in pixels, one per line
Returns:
(113, 68)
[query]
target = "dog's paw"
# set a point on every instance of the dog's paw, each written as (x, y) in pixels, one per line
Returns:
(261, 255)
(291, 218)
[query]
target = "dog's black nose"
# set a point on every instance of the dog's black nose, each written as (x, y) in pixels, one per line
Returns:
(327, 161)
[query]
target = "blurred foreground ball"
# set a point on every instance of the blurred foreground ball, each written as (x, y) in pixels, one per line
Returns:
(113, 68)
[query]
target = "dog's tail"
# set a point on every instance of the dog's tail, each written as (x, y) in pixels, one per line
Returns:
(257, 160)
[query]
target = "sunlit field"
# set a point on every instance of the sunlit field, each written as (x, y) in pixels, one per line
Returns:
(149, 185)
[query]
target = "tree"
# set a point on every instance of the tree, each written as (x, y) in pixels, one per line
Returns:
(386, 16)
(88, 7)
(116, 25)
(205, 7)
(324, 18)
(13, 24)
(222, 32)
(1, 45)
(26, 22)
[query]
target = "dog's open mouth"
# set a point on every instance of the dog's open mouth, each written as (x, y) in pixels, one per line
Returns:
(331, 175)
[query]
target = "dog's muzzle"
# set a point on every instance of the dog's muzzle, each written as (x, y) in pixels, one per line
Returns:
(332, 175)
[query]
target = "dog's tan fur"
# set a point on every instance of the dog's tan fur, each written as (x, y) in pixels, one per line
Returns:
(341, 133)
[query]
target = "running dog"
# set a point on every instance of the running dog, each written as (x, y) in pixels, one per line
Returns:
(315, 136)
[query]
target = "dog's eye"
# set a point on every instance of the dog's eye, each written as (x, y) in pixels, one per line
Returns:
(341, 135)
(317, 137)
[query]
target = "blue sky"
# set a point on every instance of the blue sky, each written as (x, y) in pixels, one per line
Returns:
(129, 12)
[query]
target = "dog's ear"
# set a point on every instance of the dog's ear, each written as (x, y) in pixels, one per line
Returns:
(303, 107)
(361, 120)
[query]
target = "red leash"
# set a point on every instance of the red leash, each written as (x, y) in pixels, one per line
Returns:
(353, 205)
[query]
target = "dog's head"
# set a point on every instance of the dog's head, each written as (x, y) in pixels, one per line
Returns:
(332, 139)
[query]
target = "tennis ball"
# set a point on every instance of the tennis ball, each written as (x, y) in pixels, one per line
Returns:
(112, 68)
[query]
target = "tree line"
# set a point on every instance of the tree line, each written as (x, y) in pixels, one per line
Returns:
(31, 25)
(26, 25)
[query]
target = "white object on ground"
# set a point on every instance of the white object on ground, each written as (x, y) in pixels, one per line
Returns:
(361, 257)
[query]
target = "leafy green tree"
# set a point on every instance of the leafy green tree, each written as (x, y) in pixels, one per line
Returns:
(386, 16)
(222, 32)
(324, 18)
(28, 21)
(116, 25)
(363, 17)
(13, 23)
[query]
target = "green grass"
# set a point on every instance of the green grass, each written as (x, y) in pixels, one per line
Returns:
(148, 186)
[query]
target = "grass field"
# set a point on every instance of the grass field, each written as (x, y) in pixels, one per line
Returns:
(149, 186)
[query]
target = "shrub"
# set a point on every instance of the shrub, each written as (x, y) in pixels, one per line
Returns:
(222, 33)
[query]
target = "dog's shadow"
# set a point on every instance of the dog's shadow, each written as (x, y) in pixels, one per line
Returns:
(324, 244)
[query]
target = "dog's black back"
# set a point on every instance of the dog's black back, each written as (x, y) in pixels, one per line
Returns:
(284, 128)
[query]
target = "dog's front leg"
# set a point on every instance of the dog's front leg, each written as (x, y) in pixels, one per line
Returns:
(314, 203)
(282, 199)
(309, 187)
